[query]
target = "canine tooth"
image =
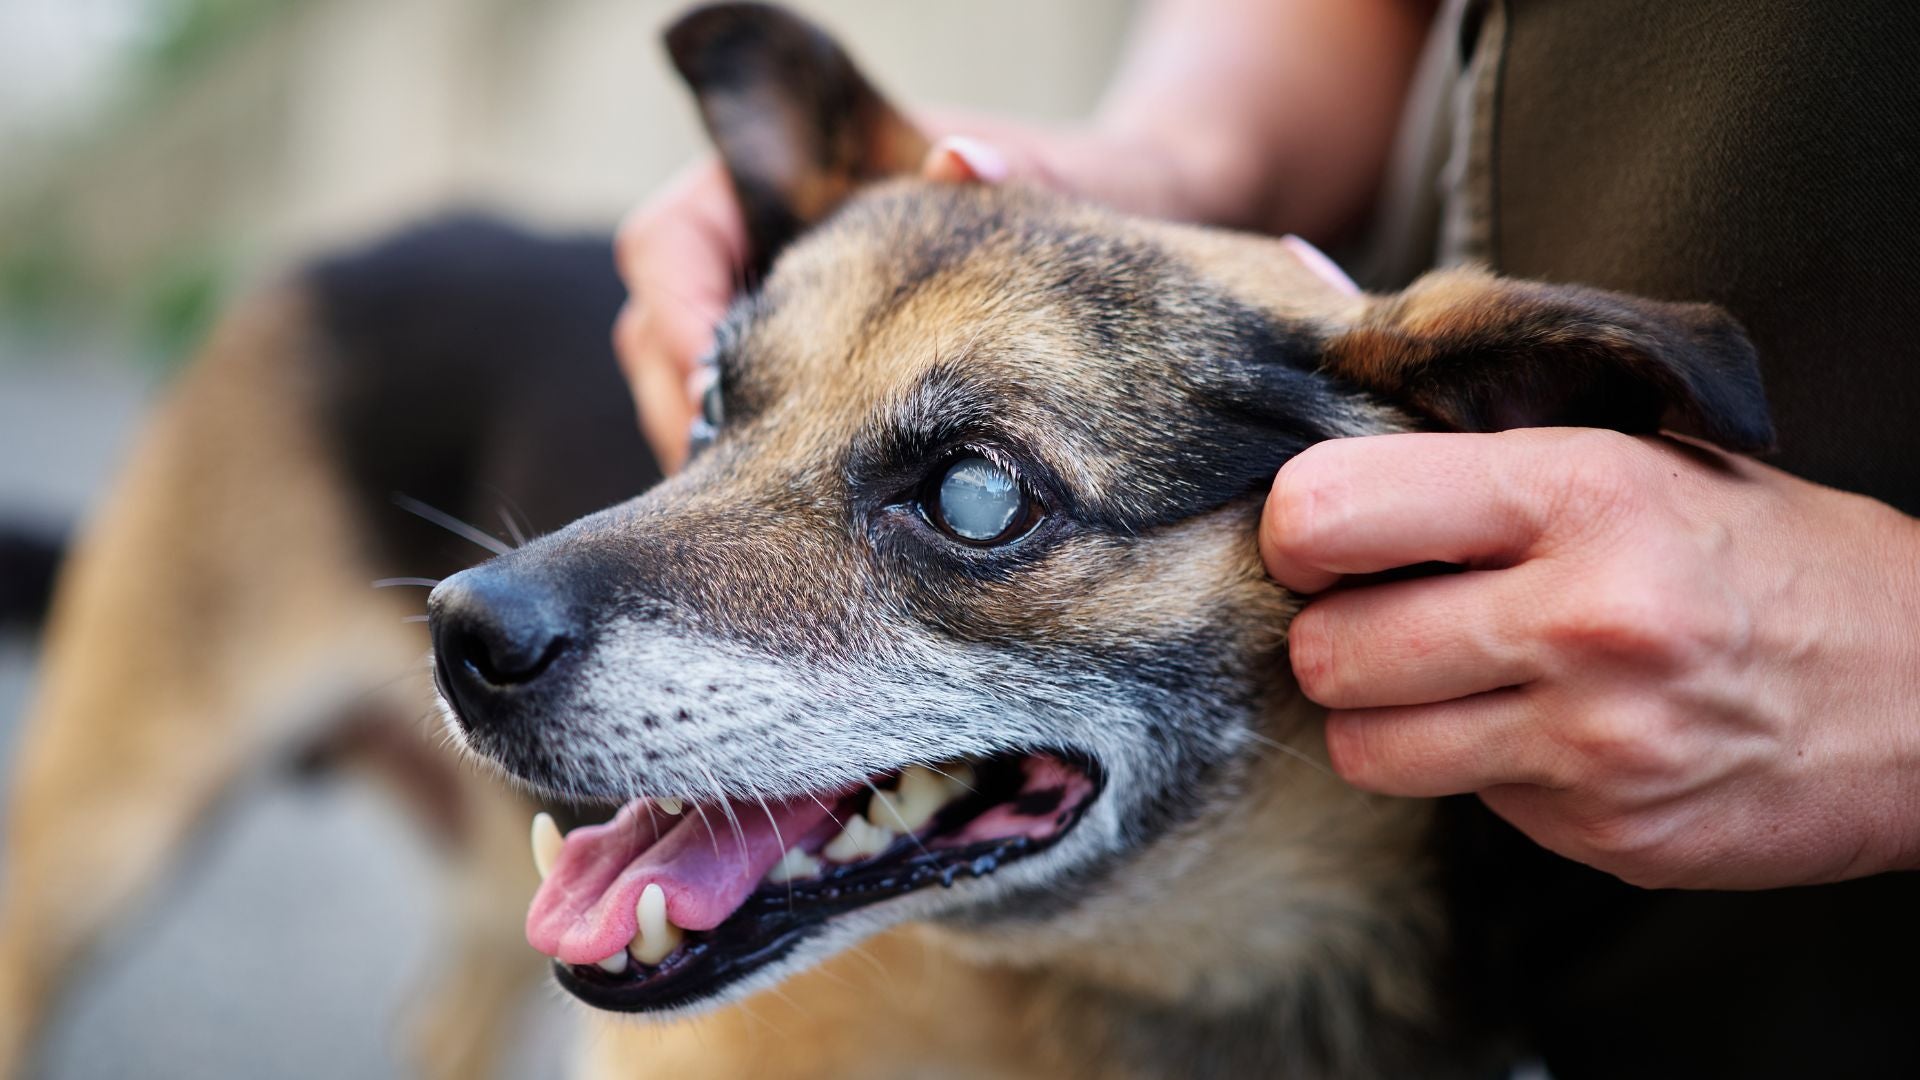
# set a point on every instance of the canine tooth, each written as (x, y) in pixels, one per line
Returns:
(546, 843)
(921, 795)
(794, 864)
(615, 964)
(859, 839)
(657, 936)
(959, 779)
(670, 806)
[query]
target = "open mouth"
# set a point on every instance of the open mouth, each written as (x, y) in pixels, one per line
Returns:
(669, 903)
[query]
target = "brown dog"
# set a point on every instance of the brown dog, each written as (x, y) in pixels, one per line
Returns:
(981, 505)
(969, 569)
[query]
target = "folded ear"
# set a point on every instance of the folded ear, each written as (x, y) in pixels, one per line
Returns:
(796, 123)
(1476, 352)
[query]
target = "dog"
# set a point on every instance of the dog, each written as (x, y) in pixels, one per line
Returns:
(959, 623)
(935, 722)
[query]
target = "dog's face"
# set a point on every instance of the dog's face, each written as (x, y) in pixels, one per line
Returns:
(961, 611)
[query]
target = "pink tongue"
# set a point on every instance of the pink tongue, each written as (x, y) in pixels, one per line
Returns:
(584, 911)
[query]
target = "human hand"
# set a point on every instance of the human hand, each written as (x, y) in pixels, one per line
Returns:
(680, 254)
(1680, 666)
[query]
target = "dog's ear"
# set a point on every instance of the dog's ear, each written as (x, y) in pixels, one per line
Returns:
(798, 126)
(1476, 352)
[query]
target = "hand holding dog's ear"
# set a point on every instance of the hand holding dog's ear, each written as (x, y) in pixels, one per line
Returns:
(1675, 664)
(1680, 666)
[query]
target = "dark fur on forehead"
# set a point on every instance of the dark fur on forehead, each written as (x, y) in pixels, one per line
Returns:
(1201, 396)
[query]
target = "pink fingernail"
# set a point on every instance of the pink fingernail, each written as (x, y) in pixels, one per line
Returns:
(980, 160)
(1323, 268)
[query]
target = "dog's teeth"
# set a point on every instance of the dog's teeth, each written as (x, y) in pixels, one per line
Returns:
(657, 936)
(615, 964)
(794, 865)
(920, 795)
(958, 779)
(859, 839)
(670, 806)
(546, 843)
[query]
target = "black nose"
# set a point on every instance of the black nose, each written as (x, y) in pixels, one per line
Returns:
(495, 633)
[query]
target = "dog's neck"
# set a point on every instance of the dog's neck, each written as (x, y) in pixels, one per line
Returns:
(1296, 920)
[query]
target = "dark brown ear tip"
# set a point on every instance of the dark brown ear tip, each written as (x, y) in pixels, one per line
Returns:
(709, 42)
(1729, 397)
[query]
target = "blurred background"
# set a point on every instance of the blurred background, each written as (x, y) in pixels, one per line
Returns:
(157, 156)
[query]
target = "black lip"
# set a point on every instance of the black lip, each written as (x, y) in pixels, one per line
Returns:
(775, 919)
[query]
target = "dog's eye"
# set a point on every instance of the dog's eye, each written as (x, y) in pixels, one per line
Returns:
(979, 502)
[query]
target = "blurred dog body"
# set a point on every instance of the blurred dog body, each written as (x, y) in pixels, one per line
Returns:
(219, 617)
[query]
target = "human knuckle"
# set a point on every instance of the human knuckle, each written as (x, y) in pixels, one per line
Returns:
(1615, 744)
(1595, 470)
(1596, 478)
(1624, 617)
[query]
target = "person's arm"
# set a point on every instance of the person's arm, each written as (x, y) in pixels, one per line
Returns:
(1266, 114)
(1277, 117)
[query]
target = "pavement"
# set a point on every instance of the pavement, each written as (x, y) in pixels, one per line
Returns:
(292, 943)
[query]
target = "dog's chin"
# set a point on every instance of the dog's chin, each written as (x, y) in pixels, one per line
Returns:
(1009, 823)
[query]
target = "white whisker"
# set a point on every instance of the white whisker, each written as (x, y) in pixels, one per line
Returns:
(512, 527)
(720, 795)
(450, 523)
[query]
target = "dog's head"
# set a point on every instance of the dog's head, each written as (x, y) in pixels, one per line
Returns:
(961, 612)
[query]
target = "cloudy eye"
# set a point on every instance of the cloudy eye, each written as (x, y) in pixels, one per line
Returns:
(981, 503)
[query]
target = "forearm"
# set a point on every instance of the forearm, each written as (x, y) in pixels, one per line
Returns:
(1277, 116)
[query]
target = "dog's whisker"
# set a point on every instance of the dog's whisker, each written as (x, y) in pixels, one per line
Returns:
(712, 837)
(970, 788)
(805, 1012)
(1291, 752)
(513, 529)
(874, 962)
(450, 523)
(775, 826)
(838, 824)
(757, 1018)
(1354, 794)
(392, 582)
(894, 811)
(720, 796)
(414, 618)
